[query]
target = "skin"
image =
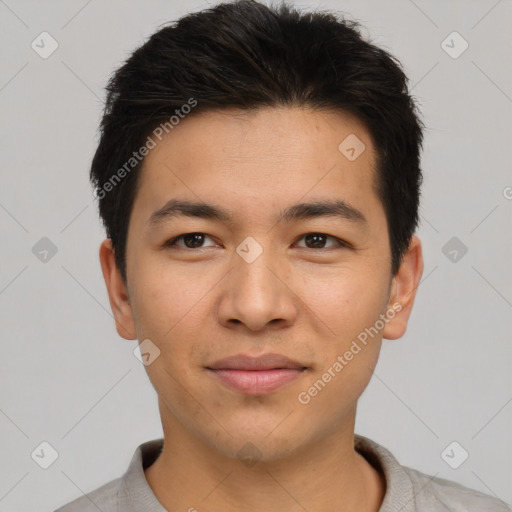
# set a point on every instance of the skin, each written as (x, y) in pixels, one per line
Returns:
(306, 302)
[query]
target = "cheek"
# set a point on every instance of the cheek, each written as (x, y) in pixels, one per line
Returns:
(348, 349)
(171, 311)
(167, 298)
(348, 305)
(346, 302)
(333, 392)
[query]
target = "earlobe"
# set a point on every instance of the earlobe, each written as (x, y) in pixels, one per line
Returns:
(117, 292)
(403, 290)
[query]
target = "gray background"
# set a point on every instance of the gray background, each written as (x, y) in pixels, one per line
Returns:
(67, 377)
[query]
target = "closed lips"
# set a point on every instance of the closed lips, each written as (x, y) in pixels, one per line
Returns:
(256, 376)
(264, 362)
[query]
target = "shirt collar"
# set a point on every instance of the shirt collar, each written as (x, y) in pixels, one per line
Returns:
(399, 496)
(135, 494)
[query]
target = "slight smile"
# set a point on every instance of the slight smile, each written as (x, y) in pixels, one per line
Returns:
(257, 375)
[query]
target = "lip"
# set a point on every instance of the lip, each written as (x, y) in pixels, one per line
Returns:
(256, 375)
(263, 362)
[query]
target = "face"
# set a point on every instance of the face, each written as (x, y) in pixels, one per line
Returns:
(258, 272)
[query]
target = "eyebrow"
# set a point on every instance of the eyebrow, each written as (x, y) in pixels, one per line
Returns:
(301, 211)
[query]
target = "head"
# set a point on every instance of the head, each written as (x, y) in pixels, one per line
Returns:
(290, 146)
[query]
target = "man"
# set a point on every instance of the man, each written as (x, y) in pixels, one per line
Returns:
(258, 177)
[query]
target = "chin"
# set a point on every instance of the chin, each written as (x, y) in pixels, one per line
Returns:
(258, 449)
(256, 443)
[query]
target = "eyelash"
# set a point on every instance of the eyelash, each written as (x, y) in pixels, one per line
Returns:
(171, 243)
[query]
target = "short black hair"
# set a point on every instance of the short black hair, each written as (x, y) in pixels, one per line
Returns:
(248, 55)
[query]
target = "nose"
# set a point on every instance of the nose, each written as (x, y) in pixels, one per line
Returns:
(258, 295)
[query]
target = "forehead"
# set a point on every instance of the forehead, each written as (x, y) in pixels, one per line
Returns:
(260, 159)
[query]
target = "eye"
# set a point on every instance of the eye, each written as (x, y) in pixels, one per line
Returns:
(190, 241)
(318, 241)
(312, 241)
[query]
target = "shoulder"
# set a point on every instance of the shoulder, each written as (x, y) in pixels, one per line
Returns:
(410, 490)
(103, 498)
(433, 493)
(130, 492)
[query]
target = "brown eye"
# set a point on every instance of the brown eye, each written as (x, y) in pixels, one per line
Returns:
(320, 241)
(190, 241)
(193, 240)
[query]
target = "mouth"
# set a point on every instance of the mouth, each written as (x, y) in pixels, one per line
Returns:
(256, 375)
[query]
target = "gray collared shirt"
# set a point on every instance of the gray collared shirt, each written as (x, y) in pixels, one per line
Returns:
(407, 490)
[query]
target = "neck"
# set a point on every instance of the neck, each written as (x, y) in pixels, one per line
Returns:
(327, 475)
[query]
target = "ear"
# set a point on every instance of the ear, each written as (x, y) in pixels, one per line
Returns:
(403, 290)
(117, 292)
